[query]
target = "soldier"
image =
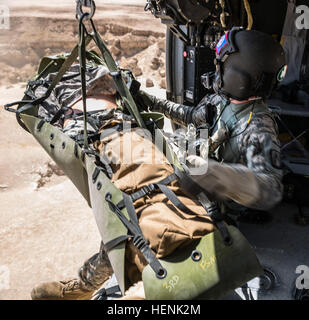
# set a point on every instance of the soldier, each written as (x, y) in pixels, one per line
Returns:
(245, 152)
(243, 143)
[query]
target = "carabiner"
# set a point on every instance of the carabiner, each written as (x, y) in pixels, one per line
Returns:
(85, 3)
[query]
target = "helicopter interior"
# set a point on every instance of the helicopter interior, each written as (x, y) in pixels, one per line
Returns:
(193, 29)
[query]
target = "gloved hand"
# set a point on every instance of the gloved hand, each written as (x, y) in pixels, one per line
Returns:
(144, 101)
(178, 113)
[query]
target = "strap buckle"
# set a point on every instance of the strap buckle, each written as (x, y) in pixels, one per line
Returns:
(105, 293)
(139, 242)
(115, 74)
(149, 189)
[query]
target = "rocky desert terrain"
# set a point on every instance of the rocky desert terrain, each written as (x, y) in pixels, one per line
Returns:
(46, 229)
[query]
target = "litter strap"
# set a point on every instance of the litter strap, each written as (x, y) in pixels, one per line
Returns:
(174, 200)
(211, 208)
(117, 76)
(150, 189)
(116, 242)
(26, 105)
(103, 293)
(135, 233)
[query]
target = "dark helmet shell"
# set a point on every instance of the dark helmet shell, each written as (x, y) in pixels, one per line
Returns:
(253, 69)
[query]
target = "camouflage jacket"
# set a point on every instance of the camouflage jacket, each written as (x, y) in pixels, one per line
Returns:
(257, 151)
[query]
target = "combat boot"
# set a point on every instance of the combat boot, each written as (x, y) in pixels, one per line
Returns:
(72, 289)
(92, 275)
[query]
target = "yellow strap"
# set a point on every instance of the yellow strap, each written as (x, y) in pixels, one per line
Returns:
(223, 13)
(249, 14)
(250, 117)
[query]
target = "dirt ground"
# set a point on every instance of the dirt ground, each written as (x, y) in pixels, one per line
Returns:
(46, 228)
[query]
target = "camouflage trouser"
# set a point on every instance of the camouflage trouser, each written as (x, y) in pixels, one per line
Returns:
(96, 270)
(76, 127)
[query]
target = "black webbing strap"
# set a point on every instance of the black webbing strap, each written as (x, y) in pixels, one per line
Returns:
(140, 242)
(135, 232)
(105, 133)
(100, 136)
(90, 137)
(76, 149)
(82, 68)
(118, 127)
(59, 114)
(104, 293)
(143, 192)
(216, 216)
(66, 66)
(131, 211)
(211, 208)
(40, 125)
(175, 201)
(162, 185)
(29, 104)
(115, 242)
(150, 189)
(132, 227)
(116, 74)
(107, 170)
